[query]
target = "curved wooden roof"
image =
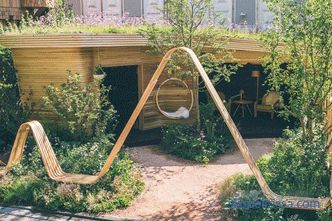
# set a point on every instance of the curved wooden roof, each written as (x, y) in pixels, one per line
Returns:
(103, 40)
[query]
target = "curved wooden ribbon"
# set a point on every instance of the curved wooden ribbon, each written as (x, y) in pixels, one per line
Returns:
(56, 173)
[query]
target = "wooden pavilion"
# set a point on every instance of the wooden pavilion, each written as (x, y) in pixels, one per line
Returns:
(44, 59)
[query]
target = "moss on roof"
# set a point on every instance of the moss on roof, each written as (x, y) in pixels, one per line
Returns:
(102, 29)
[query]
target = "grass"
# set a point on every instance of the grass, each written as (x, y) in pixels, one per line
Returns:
(71, 28)
(80, 28)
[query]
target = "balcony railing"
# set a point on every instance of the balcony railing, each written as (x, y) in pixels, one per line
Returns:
(37, 3)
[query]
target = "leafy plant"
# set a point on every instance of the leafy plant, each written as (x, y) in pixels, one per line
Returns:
(28, 183)
(86, 121)
(198, 145)
(299, 168)
(82, 111)
(189, 26)
(12, 113)
(299, 163)
(305, 30)
(294, 168)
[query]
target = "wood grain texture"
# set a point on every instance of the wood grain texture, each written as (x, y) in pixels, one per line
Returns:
(14, 9)
(10, 8)
(55, 172)
(151, 117)
(107, 50)
(38, 68)
(37, 3)
(105, 40)
(123, 55)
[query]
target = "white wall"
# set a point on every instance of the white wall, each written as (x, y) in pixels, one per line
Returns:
(225, 8)
(152, 8)
(91, 7)
(112, 8)
(264, 16)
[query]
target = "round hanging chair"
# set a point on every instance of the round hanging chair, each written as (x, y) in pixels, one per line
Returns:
(182, 112)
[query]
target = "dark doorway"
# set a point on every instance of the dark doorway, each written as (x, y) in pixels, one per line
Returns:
(123, 82)
(250, 127)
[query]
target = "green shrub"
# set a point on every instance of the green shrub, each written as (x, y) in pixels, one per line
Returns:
(294, 168)
(325, 215)
(28, 183)
(82, 135)
(201, 146)
(298, 168)
(11, 111)
(82, 112)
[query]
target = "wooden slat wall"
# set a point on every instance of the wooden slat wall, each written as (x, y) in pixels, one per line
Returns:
(37, 3)
(15, 8)
(105, 40)
(10, 8)
(38, 68)
(10, 3)
(43, 59)
(72, 40)
(245, 57)
(121, 56)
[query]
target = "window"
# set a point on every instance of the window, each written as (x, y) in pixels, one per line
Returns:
(133, 8)
(245, 12)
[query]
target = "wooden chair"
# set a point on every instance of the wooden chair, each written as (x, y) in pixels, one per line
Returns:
(269, 103)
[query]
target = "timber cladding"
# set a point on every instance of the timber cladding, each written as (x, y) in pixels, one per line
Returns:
(44, 59)
(13, 9)
(10, 9)
(38, 68)
(37, 3)
(151, 117)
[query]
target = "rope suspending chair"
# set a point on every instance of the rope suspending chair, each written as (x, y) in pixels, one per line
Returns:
(56, 173)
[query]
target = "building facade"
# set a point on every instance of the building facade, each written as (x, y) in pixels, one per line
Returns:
(12, 10)
(235, 12)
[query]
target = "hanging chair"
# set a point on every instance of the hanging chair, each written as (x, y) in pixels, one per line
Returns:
(182, 112)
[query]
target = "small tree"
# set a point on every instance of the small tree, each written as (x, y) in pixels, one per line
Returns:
(304, 27)
(189, 25)
(82, 113)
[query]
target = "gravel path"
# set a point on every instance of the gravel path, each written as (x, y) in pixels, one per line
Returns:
(181, 190)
